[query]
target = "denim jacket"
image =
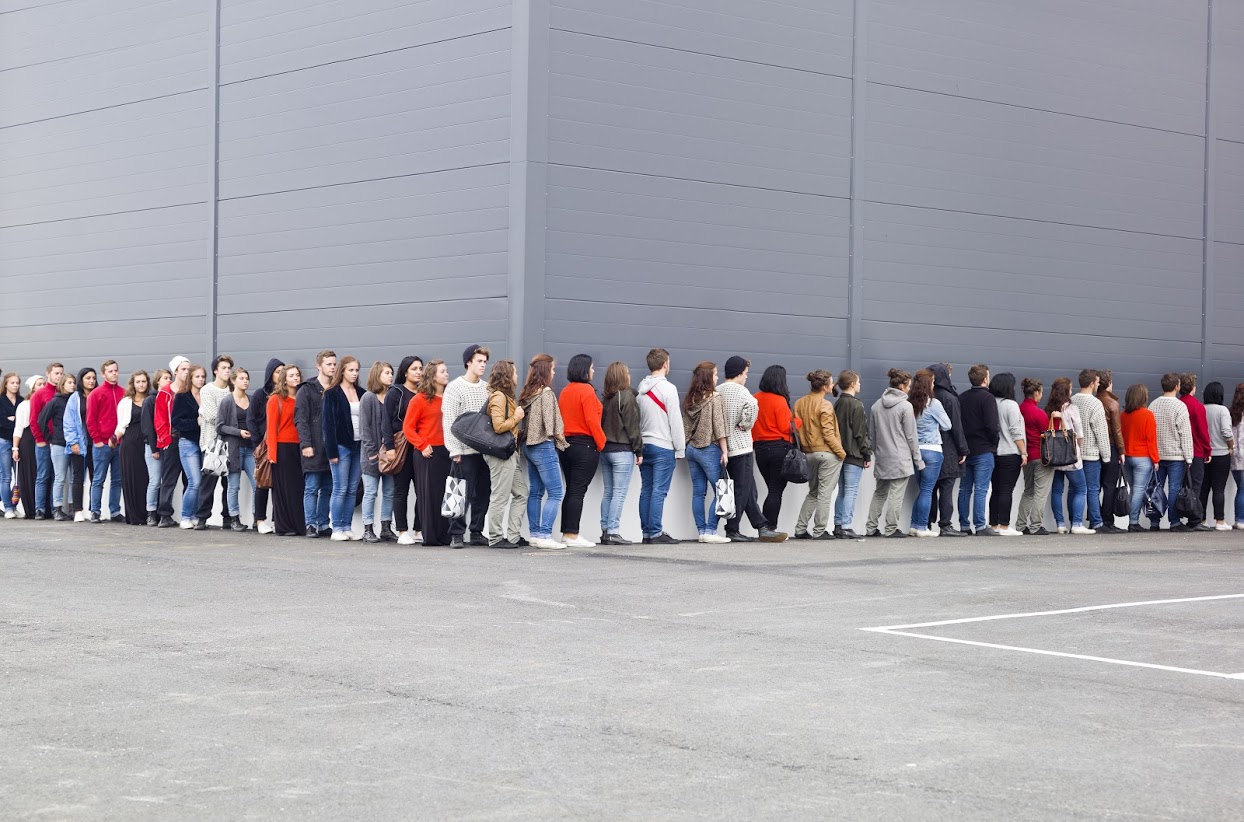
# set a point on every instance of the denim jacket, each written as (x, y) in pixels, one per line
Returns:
(75, 429)
(931, 424)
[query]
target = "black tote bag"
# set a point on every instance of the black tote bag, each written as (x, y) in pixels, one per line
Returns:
(795, 463)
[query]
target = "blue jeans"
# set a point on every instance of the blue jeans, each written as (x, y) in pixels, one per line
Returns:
(848, 490)
(192, 464)
(1172, 470)
(927, 478)
(382, 483)
(1239, 496)
(60, 471)
(153, 479)
(1139, 469)
(616, 468)
(973, 489)
(346, 472)
(316, 497)
(246, 456)
(6, 474)
(1092, 482)
(705, 464)
(654, 476)
(43, 475)
(1078, 492)
(107, 461)
(545, 477)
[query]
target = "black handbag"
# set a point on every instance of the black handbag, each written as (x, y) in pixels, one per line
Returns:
(1155, 499)
(1058, 448)
(1122, 496)
(795, 463)
(1188, 506)
(474, 428)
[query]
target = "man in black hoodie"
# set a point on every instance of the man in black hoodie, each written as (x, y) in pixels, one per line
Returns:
(954, 451)
(978, 410)
(257, 424)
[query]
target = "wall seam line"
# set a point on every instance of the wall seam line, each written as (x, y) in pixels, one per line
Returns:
(1207, 209)
(214, 200)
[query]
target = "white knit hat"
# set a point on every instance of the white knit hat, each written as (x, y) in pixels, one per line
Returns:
(175, 362)
(30, 382)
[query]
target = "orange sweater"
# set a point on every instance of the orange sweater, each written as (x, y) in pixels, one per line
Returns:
(422, 425)
(773, 418)
(1140, 434)
(581, 411)
(280, 423)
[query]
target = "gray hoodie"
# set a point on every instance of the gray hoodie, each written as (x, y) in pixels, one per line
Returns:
(661, 428)
(892, 423)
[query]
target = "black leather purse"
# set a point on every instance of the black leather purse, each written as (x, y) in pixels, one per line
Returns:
(1058, 448)
(475, 429)
(795, 463)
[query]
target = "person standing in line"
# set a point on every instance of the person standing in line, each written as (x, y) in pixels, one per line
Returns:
(1237, 452)
(285, 454)
(231, 426)
(151, 447)
(10, 399)
(1202, 450)
(168, 449)
(580, 409)
(772, 438)
(396, 403)
(820, 440)
(186, 421)
(24, 449)
(931, 422)
(897, 452)
(467, 395)
(78, 443)
(131, 446)
(954, 452)
(51, 422)
(1096, 448)
(1174, 446)
(981, 429)
(1037, 476)
(664, 442)
(43, 453)
(853, 427)
(423, 429)
(624, 449)
(1012, 454)
(507, 477)
(1066, 414)
(704, 420)
(741, 410)
(101, 428)
(1113, 467)
(257, 424)
(212, 395)
(1221, 443)
(545, 436)
(308, 417)
(374, 427)
(1140, 446)
(343, 444)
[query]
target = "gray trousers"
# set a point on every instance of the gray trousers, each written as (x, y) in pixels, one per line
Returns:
(509, 484)
(1037, 481)
(887, 496)
(824, 469)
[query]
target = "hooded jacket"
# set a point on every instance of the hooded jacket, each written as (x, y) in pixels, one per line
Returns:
(954, 444)
(257, 414)
(661, 428)
(892, 423)
(853, 428)
(308, 419)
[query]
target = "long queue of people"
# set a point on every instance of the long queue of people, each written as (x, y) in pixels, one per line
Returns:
(487, 458)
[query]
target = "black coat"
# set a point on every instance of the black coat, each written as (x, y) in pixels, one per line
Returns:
(954, 444)
(335, 419)
(257, 414)
(308, 419)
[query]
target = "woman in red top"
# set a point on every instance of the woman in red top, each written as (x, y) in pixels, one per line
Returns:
(1140, 446)
(771, 436)
(581, 411)
(283, 453)
(1037, 477)
(424, 431)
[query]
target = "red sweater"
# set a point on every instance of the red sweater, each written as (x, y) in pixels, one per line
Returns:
(423, 426)
(1036, 422)
(1140, 434)
(37, 400)
(101, 412)
(163, 416)
(773, 418)
(280, 424)
(581, 411)
(1200, 426)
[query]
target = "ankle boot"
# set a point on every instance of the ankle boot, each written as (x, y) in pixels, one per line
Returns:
(386, 533)
(369, 534)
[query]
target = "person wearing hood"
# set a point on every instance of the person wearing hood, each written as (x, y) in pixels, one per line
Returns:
(954, 451)
(896, 449)
(78, 442)
(257, 424)
(664, 442)
(982, 428)
(704, 420)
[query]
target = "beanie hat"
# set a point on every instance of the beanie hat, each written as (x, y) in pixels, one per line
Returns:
(30, 382)
(469, 353)
(176, 362)
(735, 366)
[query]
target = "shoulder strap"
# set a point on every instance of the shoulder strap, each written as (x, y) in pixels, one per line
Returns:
(652, 396)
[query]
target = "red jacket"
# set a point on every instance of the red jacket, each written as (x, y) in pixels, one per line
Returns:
(163, 416)
(1200, 426)
(581, 410)
(101, 412)
(37, 400)
(1036, 422)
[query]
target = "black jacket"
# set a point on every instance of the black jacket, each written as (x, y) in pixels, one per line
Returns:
(335, 419)
(308, 416)
(147, 423)
(257, 414)
(185, 417)
(396, 402)
(954, 444)
(8, 409)
(979, 411)
(853, 428)
(621, 423)
(51, 419)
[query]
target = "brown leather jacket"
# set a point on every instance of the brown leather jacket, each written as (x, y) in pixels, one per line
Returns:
(1114, 420)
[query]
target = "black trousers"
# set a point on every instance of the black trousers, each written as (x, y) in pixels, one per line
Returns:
(430, 474)
(1006, 470)
(287, 490)
(402, 482)
(207, 486)
(1111, 470)
(742, 470)
(943, 501)
(79, 472)
(579, 463)
(769, 456)
(474, 470)
(170, 472)
(1216, 472)
(27, 473)
(1195, 478)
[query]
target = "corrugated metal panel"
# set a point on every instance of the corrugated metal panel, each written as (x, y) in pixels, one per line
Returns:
(1226, 314)
(1228, 88)
(1135, 62)
(1229, 193)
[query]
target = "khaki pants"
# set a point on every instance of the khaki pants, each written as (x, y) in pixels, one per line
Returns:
(1037, 481)
(888, 497)
(509, 484)
(823, 470)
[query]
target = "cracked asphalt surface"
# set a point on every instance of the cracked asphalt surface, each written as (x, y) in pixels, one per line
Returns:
(158, 675)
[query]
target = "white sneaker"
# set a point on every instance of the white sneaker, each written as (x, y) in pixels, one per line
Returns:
(10, 515)
(405, 538)
(580, 542)
(1009, 532)
(80, 516)
(264, 527)
(1062, 529)
(187, 525)
(713, 539)
(353, 536)
(547, 543)
(340, 536)
(1080, 529)
(925, 533)
(1239, 526)
(1222, 526)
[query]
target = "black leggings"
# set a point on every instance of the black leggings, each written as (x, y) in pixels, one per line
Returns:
(943, 501)
(402, 481)
(1006, 470)
(1216, 472)
(579, 463)
(769, 457)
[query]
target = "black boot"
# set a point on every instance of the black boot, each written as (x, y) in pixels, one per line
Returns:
(386, 533)
(152, 519)
(369, 535)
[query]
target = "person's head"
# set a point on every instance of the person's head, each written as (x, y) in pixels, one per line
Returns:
(848, 382)
(111, 371)
(1137, 397)
(899, 378)
(196, 379)
(286, 380)
(1170, 382)
(579, 369)
(67, 384)
(34, 383)
(1106, 379)
(1060, 395)
(326, 366)
(773, 381)
(617, 378)
(1002, 385)
(737, 368)
(347, 372)
(380, 377)
(53, 373)
(435, 378)
(475, 361)
(819, 381)
(87, 380)
(222, 369)
(241, 380)
(539, 376)
(160, 378)
(11, 384)
(921, 391)
(703, 383)
(179, 367)
(138, 386)
(978, 375)
(1089, 379)
(1214, 394)
(1032, 389)
(410, 372)
(658, 361)
(1237, 405)
(1187, 384)
(503, 378)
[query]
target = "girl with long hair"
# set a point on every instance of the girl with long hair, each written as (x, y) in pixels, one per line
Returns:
(704, 422)
(1222, 443)
(853, 431)
(820, 440)
(623, 451)
(424, 430)
(1012, 454)
(132, 444)
(508, 476)
(1066, 415)
(544, 438)
(10, 399)
(185, 421)
(51, 420)
(771, 436)
(580, 409)
(396, 403)
(24, 449)
(931, 421)
(284, 454)
(1140, 448)
(78, 442)
(375, 429)
(343, 444)
(1237, 452)
(151, 445)
(232, 426)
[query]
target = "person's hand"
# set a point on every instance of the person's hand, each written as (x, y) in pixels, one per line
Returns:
(868, 463)
(246, 434)
(17, 457)
(639, 460)
(724, 459)
(308, 452)
(456, 459)
(1023, 459)
(389, 455)
(76, 450)
(333, 461)
(427, 452)
(963, 459)
(519, 413)
(155, 455)
(98, 444)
